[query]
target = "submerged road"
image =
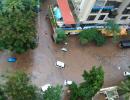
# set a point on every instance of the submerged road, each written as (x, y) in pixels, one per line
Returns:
(40, 62)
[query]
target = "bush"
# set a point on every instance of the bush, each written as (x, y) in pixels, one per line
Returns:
(60, 36)
(91, 35)
(100, 39)
(83, 41)
(88, 34)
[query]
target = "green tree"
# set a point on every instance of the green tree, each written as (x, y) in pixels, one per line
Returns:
(88, 34)
(93, 81)
(18, 87)
(60, 36)
(114, 29)
(53, 93)
(74, 94)
(92, 84)
(2, 93)
(17, 25)
(124, 88)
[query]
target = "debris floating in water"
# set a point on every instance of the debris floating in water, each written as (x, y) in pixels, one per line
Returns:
(64, 49)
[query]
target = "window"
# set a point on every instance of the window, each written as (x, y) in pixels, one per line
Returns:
(101, 17)
(105, 10)
(91, 17)
(128, 5)
(124, 17)
(114, 4)
(95, 10)
(126, 11)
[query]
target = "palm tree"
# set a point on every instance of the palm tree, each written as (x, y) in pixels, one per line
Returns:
(124, 88)
(113, 28)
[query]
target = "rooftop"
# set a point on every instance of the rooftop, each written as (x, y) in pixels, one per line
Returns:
(66, 12)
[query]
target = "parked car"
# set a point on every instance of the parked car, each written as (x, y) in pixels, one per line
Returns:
(124, 44)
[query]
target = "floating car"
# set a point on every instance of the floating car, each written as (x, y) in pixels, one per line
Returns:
(124, 44)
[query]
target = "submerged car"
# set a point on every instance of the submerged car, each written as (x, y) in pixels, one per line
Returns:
(11, 59)
(124, 44)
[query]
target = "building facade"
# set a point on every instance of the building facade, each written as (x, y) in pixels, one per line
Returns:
(99, 11)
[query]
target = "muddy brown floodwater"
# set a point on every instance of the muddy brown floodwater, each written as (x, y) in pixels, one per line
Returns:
(40, 63)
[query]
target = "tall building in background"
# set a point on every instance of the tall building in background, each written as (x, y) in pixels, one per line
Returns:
(99, 11)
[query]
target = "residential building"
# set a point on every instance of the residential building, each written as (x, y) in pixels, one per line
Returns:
(99, 11)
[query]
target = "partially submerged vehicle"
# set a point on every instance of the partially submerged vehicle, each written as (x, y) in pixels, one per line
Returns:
(11, 59)
(60, 64)
(126, 73)
(124, 43)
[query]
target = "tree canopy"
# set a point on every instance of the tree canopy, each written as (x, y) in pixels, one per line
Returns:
(124, 88)
(114, 29)
(2, 93)
(17, 25)
(91, 35)
(18, 87)
(53, 93)
(60, 35)
(93, 81)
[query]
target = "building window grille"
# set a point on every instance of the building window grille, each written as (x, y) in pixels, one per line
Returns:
(101, 17)
(95, 10)
(115, 4)
(105, 10)
(91, 17)
(124, 17)
(126, 11)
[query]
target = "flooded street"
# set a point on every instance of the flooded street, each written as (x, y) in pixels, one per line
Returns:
(40, 62)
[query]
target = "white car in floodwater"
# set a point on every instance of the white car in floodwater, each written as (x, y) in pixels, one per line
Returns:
(126, 73)
(60, 64)
(45, 87)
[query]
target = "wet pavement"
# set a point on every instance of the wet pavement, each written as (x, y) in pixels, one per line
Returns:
(40, 63)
